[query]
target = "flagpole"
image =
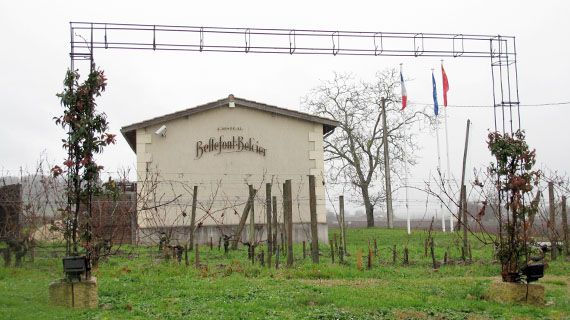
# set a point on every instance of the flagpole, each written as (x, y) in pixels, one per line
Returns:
(404, 101)
(447, 156)
(439, 170)
(407, 203)
(438, 154)
(448, 170)
(437, 140)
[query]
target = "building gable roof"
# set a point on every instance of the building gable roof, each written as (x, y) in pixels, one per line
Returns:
(129, 132)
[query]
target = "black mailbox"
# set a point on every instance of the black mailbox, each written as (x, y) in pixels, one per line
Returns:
(74, 267)
(533, 272)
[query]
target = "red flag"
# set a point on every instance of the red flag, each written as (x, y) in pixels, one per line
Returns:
(403, 87)
(445, 85)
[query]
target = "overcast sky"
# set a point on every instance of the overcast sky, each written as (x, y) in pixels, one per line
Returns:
(35, 47)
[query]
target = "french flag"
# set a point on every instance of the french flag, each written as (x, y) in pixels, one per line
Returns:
(403, 86)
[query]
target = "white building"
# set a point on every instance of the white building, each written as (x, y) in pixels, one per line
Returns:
(222, 147)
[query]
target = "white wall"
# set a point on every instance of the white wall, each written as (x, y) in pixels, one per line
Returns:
(294, 149)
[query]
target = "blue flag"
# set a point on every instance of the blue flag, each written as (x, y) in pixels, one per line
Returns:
(435, 105)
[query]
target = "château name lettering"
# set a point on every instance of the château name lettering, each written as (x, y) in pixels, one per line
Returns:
(229, 144)
(230, 128)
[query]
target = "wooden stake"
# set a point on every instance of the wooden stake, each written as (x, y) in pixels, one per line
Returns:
(432, 251)
(460, 209)
(277, 257)
(283, 239)
(186, 260)
(284, 229)
(465, 222)
(243, 217)
(252, 217)
(565, 226)
(268, 260)
(304, 250)
(268, 222)
(193, 218)
(275, 222)
(359, 260)
(552, 222)
(197, 257)
(289, 210)
(394, 255)
(332, 250)
(342, 223)
(314, 224)
(335, 248)
(389, 212)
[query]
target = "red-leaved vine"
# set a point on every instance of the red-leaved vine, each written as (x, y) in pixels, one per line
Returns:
(86, 136)
(515, 181)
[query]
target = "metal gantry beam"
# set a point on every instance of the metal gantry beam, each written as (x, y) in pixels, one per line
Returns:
(284, 41)
(89, 37)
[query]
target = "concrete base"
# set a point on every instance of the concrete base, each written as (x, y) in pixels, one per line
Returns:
(74, 294)
(180, 234)
(508, 292)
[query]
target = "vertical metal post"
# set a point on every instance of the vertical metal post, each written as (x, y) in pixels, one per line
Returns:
(389, 213)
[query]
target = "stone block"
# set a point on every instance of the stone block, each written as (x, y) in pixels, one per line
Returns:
(314, 136)
(508, 292)
(81, 294)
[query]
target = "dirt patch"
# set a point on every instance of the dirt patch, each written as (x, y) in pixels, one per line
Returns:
(357, 283)
(409, 314)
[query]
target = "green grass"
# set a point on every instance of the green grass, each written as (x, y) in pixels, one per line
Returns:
(145, 287)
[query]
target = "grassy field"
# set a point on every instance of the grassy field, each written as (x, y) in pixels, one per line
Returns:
(141, 286)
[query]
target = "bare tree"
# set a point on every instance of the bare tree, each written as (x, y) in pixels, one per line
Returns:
(354, 152)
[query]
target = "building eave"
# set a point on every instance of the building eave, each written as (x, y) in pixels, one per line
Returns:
(129, 132)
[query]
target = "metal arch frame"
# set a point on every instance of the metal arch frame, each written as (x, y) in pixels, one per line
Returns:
(86, 37)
